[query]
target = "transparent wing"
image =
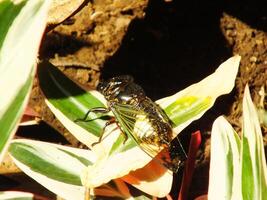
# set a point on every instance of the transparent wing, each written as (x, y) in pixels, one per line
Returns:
(135, 123)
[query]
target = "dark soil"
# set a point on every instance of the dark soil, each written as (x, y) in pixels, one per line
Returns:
(166, 46)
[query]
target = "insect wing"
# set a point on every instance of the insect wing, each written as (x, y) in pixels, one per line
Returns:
(135, 123)
(126, 116)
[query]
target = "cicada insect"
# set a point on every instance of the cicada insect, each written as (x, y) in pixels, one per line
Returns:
(141, 118)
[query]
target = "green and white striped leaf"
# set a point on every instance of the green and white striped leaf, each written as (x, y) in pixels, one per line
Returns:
(238, 167)
(21, 27)
(224, 177)
(69, 102)
(253, 163)
(58, 168)
(51, 160)
(11, 195)
(192, 102)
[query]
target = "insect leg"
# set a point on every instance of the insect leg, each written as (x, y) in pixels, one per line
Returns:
(111, 121)
(95, 110)
(125, 136)
(123, 133)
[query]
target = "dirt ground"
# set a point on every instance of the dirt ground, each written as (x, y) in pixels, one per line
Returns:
(166, 46)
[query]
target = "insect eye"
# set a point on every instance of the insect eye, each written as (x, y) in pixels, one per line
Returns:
(102, 86)
(122, 79)
(127, 79)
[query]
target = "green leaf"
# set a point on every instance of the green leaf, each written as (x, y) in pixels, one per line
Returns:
(224, 162)
(49, 160)
(186, 108)
(253, 163)
(69, 102)
(21, 22)
(13, 113)
(191, 103)
(8, 13)
(56, 167)
(240, 175)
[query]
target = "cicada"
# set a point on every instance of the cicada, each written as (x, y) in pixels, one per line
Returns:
(141, 118)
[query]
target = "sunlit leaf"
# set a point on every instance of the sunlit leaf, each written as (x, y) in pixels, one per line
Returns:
(192, 102)
(21, 26)
(69, 102)
(224, 162)
(152, 179)
(58, 168)
(238, 167)
(253, 163)
(51, 160)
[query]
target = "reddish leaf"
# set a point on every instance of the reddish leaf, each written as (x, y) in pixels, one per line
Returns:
(29, 117)
(189, 165)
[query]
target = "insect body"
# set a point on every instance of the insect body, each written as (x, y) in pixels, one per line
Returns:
(138, 116)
